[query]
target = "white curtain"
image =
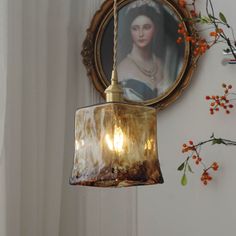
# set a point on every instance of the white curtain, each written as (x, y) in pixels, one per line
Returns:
(42, 81)
(3, 74)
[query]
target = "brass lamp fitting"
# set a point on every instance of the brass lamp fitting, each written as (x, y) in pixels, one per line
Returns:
(114, 93)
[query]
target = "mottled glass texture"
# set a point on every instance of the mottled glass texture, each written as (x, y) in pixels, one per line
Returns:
(115, 146)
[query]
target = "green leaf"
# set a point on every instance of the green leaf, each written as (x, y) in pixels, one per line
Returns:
(212, 17)
(184, 180)
(205, 19)
(214, 141)
(181, 167)
(222, 17)
(198, 20)
(190, 169)
(217, 141)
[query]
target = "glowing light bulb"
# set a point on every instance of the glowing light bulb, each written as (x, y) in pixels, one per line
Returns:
(117, 141)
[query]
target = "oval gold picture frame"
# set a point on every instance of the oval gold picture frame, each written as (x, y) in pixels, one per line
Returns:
(98, 47)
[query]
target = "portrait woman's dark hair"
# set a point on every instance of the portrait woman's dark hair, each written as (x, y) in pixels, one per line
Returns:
(129, 15)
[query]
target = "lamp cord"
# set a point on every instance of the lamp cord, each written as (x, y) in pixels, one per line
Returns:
(115, 35)
(114, 93)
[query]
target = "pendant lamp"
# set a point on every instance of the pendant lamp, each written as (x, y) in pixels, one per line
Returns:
(115, 142)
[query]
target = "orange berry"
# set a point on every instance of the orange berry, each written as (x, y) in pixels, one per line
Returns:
(179, 40)
(209, 178)
(188, 38)
(182, 3)
(215, 166)
(213, 34)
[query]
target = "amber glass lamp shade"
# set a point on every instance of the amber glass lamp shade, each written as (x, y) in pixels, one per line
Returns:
(115, 146)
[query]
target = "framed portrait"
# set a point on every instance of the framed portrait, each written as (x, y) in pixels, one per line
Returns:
(152, 68)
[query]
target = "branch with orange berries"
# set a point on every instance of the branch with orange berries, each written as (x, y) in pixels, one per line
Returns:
(193, 152)
(216, 25)
(224, 101)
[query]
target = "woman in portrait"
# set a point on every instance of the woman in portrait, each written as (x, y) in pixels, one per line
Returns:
(141, 70)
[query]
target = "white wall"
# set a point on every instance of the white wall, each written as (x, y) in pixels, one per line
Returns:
(171, 209)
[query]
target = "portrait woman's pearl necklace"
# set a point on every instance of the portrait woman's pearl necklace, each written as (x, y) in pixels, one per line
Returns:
(149, 68)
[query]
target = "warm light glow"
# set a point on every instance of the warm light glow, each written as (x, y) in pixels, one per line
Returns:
(118, 139)
(148, 145)
(109, 142)
(116, 143)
